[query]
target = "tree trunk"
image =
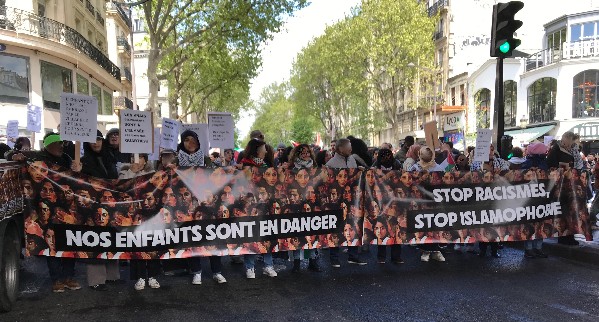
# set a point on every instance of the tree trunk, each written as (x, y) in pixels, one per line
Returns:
(154, 84)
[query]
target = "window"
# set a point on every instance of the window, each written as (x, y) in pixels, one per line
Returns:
(575, 32)
(510, 94)
(55, 80)
(541, 100)
(97, 93)
(453, 103)
(556, 39)
(584, 100)
(82, 85)
(588, 30)
(463, 95)
(107, 106)
(482, 102)
(14, 79)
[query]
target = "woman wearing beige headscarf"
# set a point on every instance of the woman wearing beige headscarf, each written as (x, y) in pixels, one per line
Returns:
(411, 157)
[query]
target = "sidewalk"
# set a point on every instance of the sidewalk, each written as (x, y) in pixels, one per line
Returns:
(587, 252)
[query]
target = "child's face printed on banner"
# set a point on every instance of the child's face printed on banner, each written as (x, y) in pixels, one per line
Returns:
(108, 199)
(96, 184)
(159, 179)
(48, 192)
(169, 198)
(50, 239)
(349, 233)
(333, 240)
(38, 171)
(276, 208)
(45, 212)
(310, 194)
(306, 208)
(370, 180)
(67, 194)
(334, 195)
(256, 175)
(183, 216)
(263, 195)
(380, 230)
(342, 178)
(448, 178)
(167, 216)
(27, 188)
(406, 179)
(101, 217)
(223, 212)
(271, 176)
(302, 178)
(488, 177)
(149, 201)
(294, 196)
(84, 199)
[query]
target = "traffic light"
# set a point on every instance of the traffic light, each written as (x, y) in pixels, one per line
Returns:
(505, 147)
(503, 28)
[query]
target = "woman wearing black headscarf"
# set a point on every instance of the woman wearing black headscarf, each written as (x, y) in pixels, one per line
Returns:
(385, 161)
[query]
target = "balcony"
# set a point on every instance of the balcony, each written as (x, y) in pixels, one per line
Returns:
(113, 8)
(576, 50)
(28, 23)
(438, 35)
(123, 46)
(126, 75)
(121, 102)
(99, 18)
(437, 6)
(90, 7)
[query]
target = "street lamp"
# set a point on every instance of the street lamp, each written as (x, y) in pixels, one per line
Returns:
(523, 125)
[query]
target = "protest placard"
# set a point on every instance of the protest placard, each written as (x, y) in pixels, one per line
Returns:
(221, 130)
(137, 131)
(34, 118)
(547, 139)
(484, 138)
(12, 132)
(78, 121)
(432, 135)
(201, 129)
(155, 155)
(170, 133)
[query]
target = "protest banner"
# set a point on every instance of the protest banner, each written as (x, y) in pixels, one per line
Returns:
(12, 132)
(34, 118)
(137, 131)
(205, 212)
(170, 133)
(484, 139)
(431, 135)
(11, 193)
(221, 130)
(201, 129)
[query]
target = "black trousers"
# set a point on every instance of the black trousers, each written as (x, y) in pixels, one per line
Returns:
(196, 264)
(395, 252)
(483, 247)
(144, 268)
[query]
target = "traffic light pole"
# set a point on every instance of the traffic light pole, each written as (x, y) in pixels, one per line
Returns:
(499, 108)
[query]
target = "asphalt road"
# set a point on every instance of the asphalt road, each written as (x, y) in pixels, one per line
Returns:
(465, 287)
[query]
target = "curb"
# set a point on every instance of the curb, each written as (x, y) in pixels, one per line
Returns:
(586, 252)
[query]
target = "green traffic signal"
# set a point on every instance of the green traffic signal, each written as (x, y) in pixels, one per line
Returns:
(505, 47)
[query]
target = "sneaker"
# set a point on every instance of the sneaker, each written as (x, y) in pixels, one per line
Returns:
(153, 283)
(58, 287)
(356, 261)
(269, 271)
(99, 287)
(250, 273)
(425, 256)
(71, 284)
(539, 253)
(197, 279)
(397, 261)
(335, 263)
(438, 256)
(219, 278)
(140, 284)
(529, 253)
(380, 260)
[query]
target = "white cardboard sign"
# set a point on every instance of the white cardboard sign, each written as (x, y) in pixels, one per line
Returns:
(137, 131)
(155, 155)
(170, 133)
(12, 132)
(34, 118)
(221, 130)
(484, 138)
(78, 121)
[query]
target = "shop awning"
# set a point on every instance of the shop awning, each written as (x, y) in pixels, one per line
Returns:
(529, 134)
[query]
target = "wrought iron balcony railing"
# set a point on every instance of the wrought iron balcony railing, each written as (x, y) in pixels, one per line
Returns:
(569, 50)
(90, 7)
(122, 42)
(127, 74)
(121, 102)
(437, 6)
(122, 13)
(99, 18)
(29, 23)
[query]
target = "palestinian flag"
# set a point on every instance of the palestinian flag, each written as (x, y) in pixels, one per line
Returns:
(448, 164)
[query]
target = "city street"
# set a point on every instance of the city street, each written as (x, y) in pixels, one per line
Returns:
(506, 289)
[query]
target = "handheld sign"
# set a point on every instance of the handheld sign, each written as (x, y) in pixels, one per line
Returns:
(432, 135)
(547, 139)
(221, 130)
(484, 138)
(78, 121)
(137, 131)
(155, 155)
(201, 130)
(170, 133)
(34, 118)
(12, 132)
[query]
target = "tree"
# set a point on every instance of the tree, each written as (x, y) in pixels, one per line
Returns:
(274, 114)
(194, 25)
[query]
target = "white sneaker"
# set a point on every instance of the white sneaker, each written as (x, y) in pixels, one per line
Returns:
(140, 284)
(153, 283)
(197, 279)
(219, 278)
(425, 256)
(269, 271)
(250, 273)
(438, 256)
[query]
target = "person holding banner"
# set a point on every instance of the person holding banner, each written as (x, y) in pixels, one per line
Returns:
(99, 163)
(254, 154)
(190, 155)
(21, 144)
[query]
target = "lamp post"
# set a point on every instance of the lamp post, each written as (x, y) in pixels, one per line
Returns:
(523, 125)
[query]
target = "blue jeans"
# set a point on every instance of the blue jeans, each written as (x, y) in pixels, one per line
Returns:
(250, 260)
(536, 244)
(311, 253)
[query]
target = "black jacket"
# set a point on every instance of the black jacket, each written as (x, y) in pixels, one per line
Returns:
(117, 155)
(64, 161)
(100, 165)
(556, 155)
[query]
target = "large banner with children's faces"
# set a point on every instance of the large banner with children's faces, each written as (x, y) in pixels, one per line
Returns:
(184, 212)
